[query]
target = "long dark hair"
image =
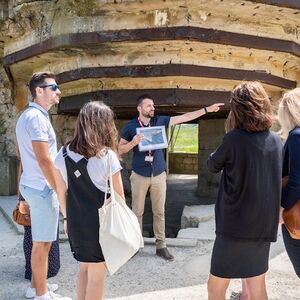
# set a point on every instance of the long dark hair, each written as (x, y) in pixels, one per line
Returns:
(95, 130)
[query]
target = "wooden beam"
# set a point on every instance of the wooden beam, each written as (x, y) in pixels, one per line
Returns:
(122, 114)
(168, 101)
(175, 70)
(8, 73)
(294, 4)
(94, 39)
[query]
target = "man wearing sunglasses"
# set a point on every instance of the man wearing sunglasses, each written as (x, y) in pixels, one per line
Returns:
(37, 145)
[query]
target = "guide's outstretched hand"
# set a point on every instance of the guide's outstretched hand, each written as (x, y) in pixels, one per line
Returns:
(215, 107)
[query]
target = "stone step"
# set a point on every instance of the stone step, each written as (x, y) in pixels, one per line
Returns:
(173, 242)
(195, 214)
(7, 205)
(204, 232)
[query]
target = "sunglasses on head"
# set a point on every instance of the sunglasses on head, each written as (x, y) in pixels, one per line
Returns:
(53, 86)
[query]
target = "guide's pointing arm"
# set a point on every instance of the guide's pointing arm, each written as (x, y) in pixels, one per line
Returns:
(194, 114)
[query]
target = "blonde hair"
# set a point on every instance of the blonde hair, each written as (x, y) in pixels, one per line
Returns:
(289, 112)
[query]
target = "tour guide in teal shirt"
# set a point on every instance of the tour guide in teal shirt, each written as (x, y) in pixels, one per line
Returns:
(148, 168)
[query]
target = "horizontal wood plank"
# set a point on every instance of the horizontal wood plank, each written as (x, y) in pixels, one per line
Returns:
(92, 39)
(167, 101)
(175, 70)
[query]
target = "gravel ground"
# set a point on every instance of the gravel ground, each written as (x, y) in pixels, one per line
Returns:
(145, 276)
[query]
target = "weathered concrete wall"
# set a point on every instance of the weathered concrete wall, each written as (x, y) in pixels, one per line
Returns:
(8, 161)
(211, 133)
(49, 25)
(64, 127)
(183, 163)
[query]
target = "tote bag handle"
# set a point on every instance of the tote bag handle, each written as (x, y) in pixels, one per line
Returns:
(109, 177)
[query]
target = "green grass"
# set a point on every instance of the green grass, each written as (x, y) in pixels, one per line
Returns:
(185, 139)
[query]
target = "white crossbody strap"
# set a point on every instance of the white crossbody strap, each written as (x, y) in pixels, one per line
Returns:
(109, 177)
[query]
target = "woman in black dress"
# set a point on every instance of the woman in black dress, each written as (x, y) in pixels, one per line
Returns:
(247, 206)
(289, 119)
(82, 182)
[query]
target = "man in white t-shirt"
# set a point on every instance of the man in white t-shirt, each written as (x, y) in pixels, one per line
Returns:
(37, 146)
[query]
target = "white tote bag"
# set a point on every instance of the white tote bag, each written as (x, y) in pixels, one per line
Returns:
(120, 234)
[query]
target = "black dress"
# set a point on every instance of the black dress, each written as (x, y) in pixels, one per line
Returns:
(83, 201)
(247, 206)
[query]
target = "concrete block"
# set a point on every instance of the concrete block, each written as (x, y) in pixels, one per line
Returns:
(195, 214)
(8, 178)
(7, 205)
(204, 232)
(177, 242)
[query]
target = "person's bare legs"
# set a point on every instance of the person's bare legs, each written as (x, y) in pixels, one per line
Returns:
(256, 288)
(245, 290)
(243, 294)
(95, 281)
(82, 281)
(39, 266)
(217, 287)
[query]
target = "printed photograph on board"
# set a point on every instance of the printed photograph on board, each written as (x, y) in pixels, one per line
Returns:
(154, 138)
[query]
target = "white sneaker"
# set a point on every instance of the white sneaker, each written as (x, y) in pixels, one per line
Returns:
(51, 296)
(30, 292)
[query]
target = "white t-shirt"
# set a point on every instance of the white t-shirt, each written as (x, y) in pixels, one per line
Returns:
(97, 168)
(34, 126)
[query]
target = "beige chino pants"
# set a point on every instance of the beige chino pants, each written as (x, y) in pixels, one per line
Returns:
(157, 186)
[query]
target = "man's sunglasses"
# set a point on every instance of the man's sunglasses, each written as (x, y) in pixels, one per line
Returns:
(53, 86)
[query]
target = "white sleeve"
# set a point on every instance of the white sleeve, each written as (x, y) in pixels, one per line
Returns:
(60, 164)
(115, 163)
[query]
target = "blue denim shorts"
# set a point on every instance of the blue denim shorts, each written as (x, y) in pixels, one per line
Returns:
(44, 212)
